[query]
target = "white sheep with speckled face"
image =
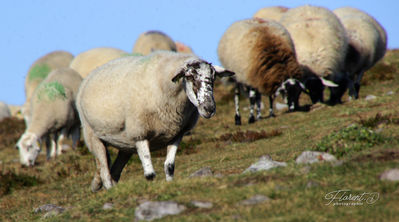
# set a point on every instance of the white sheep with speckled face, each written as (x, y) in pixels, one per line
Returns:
(367, 44)
(143, 103)
(53, 116)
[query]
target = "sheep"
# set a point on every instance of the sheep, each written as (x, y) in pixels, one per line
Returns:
(54, 116)
(89, 60)
(153, 40)
(274, 13)
(181, 47)
(320, 43)
(39, 71)
(139, 103)
(4, 111)
(262, 55)
(367, 44)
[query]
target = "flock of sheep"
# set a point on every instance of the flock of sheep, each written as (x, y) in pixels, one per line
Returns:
(148, 99)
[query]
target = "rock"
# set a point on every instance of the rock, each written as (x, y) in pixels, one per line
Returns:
(151, 210)
(108, 206)
(264, 163)
(255, 200)
(48, 208)
(314, 157)
(203, 172)
(370, 97)
(391, 175)
(390, 93)
(201, 204)
(281, 106)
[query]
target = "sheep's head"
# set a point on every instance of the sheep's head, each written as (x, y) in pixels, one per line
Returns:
(29, 148)
(199, 77)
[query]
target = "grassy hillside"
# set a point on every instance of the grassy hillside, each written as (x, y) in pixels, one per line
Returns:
(363, 135)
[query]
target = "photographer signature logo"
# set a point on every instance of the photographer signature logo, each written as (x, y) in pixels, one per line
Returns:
(349, 198)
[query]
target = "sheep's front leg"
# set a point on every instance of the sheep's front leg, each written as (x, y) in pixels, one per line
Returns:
(169, 165)
(252, 100)
(258, 100)
(75, 136)
(51, 146)
(271, 112)
(60, 141)
(143, 150)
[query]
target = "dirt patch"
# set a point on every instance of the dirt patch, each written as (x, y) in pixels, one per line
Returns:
(380, 156)
(248, 136)
(10, 131)
(378, 119)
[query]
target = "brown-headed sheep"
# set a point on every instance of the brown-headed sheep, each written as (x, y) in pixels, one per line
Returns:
(153, 40)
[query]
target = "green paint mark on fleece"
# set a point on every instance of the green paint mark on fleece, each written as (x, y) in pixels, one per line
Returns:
(39, 71)
(51, 91)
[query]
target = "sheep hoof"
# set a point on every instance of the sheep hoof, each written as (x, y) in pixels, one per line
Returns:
(251, 119)
(96, 185)
(238, 120)
(150, 176)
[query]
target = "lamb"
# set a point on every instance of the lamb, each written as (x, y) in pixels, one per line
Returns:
(139, 103)
(89, 60)
(39, 71)
(4, 111)
(262, 55)
(274, 13)
(367, 44)
(153, 40)
(54, 115)
(320, 43)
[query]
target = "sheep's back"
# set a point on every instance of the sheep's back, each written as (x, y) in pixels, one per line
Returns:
(152, 41)
(274, 13)
(319, 38)
(89, 60)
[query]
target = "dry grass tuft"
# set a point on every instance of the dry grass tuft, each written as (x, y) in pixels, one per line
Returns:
(249, 136)
(10, 131)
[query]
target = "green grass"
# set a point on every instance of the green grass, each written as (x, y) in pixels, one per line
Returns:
(362, 134)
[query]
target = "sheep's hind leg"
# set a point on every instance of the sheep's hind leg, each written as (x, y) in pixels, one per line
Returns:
(60, 141)
(75, 134)
(169, 164)
(252, 100)
(102, 177)
(237, 117)
(143, 150)
(119, 163)
(258, 100)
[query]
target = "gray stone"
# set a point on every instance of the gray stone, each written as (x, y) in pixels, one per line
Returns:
(48, 208)
(151, 210)
(264, 163)
(312, 184)
(108, 206)
(257, 199)
(314, 157)
(201, 204)
(370, 97)
(390, 93)
(203, 172)
(391, 175)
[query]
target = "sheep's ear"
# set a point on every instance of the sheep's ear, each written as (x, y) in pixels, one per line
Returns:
(222, 72)
(179, 75)
(328, 82)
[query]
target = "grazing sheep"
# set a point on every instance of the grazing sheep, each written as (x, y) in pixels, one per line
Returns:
(4, 111)
(274, 13)
(89, 60)
(153, 40)
(54, 115)
(320, 43)
(39, 71)
(181, 47)
(138, 103)
(262, 55)
(367, 44)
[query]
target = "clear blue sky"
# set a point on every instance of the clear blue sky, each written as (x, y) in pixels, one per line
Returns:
(32, 28)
